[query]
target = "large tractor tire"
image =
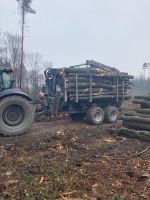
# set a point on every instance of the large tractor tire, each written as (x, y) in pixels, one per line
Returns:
(95, 115)
(77, 116)
(16, 115)
(111, 114)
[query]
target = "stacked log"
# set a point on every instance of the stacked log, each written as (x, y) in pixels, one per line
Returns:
(143, 101)
(137, 123)
(106, 83)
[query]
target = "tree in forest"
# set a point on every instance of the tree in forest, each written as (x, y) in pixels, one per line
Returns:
(47, 64)
(35, 78)
(13, 45)
(3, 50)
(24, 7)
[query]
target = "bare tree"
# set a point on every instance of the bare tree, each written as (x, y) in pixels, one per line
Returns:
(10, 45)
(10, 55)
(34, 62)
(3, 50)
(13, 45)
(24, 7)
(47, 64)
(146, 67)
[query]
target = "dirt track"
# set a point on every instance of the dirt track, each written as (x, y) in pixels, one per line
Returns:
(73, 160)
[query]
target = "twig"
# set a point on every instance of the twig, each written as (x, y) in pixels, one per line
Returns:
(61, 195)
(69, 193)
(141, 152)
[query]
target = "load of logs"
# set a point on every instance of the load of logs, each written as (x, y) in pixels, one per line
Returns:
(96, 81)
(137, 123)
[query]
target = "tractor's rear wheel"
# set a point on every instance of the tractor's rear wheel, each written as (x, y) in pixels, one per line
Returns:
(16, 115)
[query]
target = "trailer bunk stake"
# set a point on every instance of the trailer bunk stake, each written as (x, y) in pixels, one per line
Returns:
(77, 98)
(91, 92)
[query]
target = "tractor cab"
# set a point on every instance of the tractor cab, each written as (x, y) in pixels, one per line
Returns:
(6, 81)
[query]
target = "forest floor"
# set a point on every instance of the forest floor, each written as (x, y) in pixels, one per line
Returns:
(67, 160)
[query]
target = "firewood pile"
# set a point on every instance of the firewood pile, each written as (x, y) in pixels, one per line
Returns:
(137, 123)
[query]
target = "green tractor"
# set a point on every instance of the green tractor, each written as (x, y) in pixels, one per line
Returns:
(16, 109)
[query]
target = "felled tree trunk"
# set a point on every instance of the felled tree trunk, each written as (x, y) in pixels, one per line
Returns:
(102, 97)
(141, 101)
(136, 119)
(143, 111)
(87, 85)
(141, 135)
(136, 125)
(133, 113)
(145, 97)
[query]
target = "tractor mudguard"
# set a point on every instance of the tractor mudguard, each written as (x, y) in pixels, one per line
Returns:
(14, 91)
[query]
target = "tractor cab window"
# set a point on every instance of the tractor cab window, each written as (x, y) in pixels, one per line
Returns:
(5, 81)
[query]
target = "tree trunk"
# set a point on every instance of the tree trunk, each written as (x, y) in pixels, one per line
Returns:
(136, 119)
(145, 97)
(133, 113)
(141, 135)
(136, 125)
(143, 111)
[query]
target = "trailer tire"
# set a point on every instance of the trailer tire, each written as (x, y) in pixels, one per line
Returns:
(111, 114)
(77, 116)
(16, 115)
(95, 115)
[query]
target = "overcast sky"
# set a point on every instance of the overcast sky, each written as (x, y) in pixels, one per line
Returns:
(67, 32)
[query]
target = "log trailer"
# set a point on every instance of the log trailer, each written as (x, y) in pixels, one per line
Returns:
(90, 90)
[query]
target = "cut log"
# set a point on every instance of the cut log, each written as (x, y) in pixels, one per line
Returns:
(141, 101)
(136, 125)
(99, 94)
(87, 70)
(133, 113)
(87, 85)
(87, 90)
(87, 79)
(103, 97)
(136, 119)
(145, 97)
(141, 135)
(143, 111)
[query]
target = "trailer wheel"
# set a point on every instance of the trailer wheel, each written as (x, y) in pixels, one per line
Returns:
(77, 116)
(95, 115)
(111, 114)
(16, 115)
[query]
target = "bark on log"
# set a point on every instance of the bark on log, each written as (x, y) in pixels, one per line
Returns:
(136, 125)
(87, 90)
(100, 94)
(85, 84)
(95, 72)
(145, 97)
(143, 111)
(87, 79)
(141, 101)
(95, 90)
(141, 135)
(136, 119)
(100, 97)
(133, 113)
(97, 79)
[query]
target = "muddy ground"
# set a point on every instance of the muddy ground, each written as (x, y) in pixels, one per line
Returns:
(72, 160)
